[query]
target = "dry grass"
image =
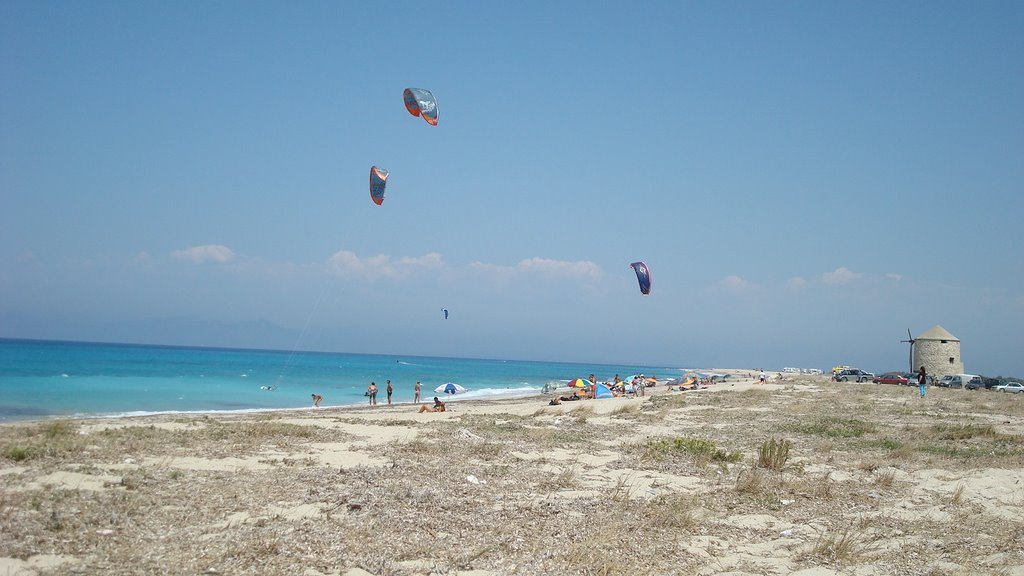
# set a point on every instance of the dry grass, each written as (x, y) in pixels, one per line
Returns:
(843, 547)
(669, 499)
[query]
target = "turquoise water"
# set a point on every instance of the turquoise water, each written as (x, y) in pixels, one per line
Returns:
(41, 379)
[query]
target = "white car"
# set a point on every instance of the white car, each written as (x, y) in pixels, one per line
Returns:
(1015, 387)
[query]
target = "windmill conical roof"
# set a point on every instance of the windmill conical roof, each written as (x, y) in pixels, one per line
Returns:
(937, 333)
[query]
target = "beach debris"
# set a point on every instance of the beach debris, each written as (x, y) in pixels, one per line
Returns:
(786, 533)
(105, 532)
(643, 277)
(463, 433)
(421, 102)
(378, 181)
(474, 480)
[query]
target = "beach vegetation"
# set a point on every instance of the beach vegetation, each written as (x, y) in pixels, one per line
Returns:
(623, 489)
(963, 431)
(17, 453)
(773, 454)
(841, 547)
(415, 488)
(699, 450)
(750, 481)
(957, 497)
(671, 511)
(833, 427)
(665, 402)
(626, 410)
(886, 478)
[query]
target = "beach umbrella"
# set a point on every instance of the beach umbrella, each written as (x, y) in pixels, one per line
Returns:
(579, 383)
(450, 388)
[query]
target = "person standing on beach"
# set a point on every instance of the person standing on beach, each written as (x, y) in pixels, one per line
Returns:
(416, 398)
(390, 390)
(372, 393)
(922, 380)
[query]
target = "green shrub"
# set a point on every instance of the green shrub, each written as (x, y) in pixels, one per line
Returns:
(774, 454)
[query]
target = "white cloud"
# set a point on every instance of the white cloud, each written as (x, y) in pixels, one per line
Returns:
(580, 268)
(735, 284)
(841, 275)
(545, 267)
(431, 260)
(348, 263)
(142, 259)
(208, 253)
(796, 283)
(894, 276)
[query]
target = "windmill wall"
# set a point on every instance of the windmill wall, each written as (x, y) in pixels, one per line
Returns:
(939, 357)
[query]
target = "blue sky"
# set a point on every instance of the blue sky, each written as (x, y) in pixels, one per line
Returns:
(806, 180)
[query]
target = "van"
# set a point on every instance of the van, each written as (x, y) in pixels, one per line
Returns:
(959, 380)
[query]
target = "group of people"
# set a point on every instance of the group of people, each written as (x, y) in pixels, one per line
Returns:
(634, 387)
(371, 393)
(618, 387)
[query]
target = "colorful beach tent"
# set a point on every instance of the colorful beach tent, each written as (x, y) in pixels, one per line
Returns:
(603, 391)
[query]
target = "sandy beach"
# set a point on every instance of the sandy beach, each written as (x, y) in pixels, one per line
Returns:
(803, 476)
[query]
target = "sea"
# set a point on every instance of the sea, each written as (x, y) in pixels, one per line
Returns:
(56, 379)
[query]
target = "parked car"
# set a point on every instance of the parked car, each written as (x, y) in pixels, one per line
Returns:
(891, 378)
(975, 383)
(853, 374)
(958, 380)
(1015, 387)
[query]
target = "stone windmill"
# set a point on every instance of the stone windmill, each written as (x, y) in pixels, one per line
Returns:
(938, 351)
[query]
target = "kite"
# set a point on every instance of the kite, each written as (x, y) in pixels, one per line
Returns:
(420, 102)
(378, 180)
(643, 276)
(445, 310)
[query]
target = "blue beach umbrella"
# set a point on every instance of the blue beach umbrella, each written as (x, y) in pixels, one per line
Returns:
(450, 388)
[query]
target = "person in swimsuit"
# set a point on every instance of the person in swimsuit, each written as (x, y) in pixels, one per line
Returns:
(316, 400)
(437, 407)
(390, 389)
(416, 398)
(372, 393)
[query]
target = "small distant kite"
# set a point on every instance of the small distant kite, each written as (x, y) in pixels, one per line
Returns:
(378, 180)
(643, 276)
(420, 102)
(445, 310)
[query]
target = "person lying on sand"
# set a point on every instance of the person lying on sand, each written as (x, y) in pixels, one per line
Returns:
(437, 407)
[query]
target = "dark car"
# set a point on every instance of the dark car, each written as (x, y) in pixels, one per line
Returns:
(891, 378)
(975, 383)
(853, 374)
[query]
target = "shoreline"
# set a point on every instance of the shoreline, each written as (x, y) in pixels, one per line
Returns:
(507, 393)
